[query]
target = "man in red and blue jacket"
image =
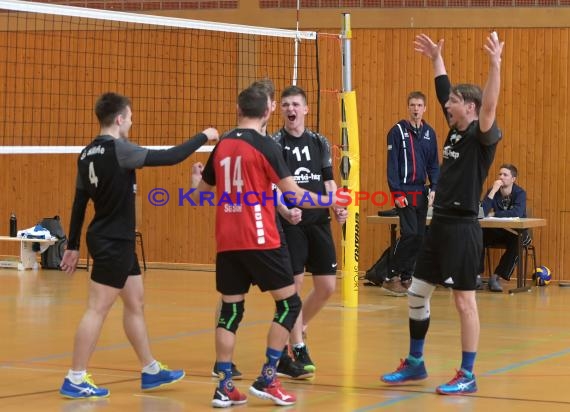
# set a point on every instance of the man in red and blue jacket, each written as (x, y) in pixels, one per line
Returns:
(412, 161)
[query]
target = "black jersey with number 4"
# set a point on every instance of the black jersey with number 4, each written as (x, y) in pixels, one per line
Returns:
(106, 172)
(309, 159)
(467, 157)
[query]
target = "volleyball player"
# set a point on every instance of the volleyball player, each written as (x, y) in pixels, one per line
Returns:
(310, 241)
(106, 175)
(267, 87)
(454, 243)
(249, 247)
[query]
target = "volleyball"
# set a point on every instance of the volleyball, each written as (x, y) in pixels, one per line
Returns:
(542, 276)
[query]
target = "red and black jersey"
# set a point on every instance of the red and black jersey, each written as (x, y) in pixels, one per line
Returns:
(243, 166)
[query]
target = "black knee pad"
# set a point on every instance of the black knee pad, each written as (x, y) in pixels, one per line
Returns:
(231, 315)
(287, 311)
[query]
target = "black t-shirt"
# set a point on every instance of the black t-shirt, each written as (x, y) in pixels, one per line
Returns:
(106, 172)
(106, 175)
(309, 159)
(467, 157)
(466, 162)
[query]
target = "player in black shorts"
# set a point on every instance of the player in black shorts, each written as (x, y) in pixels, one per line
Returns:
(248, 243)
(310, 241)
(453, 245)
(106, 175)
(266, 86)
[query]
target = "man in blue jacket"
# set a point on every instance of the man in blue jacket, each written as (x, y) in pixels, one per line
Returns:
(412, 159)
(504, 199)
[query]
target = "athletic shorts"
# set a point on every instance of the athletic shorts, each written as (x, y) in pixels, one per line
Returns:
(237, 270)
(312, 248)
(451, 248)
(113, 260)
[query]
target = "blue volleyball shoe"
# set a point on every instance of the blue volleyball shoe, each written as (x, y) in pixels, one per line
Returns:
(164, 377)
(86, 389)
(463, 382)
(406, 372)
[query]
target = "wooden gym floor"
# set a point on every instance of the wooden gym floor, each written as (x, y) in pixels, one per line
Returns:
(523, 362)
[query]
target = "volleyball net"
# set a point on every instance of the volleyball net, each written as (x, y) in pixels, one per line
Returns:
(181, 75)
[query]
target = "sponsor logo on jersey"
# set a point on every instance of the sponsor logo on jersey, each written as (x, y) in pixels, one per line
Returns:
(448, 153)
(304, 175)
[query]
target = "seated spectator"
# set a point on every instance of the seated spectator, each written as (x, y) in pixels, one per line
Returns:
(504, 199)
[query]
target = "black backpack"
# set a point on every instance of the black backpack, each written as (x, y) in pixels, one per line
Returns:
(378, 273)
(51, 258)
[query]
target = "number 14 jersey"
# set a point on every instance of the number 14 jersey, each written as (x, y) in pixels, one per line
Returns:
(243, 167)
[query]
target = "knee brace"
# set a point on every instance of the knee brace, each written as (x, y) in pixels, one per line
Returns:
(287, 311)
(419, 295)
(231, 315)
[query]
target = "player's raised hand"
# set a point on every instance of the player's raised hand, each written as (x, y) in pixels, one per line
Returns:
(494, 47)
(426, 46)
